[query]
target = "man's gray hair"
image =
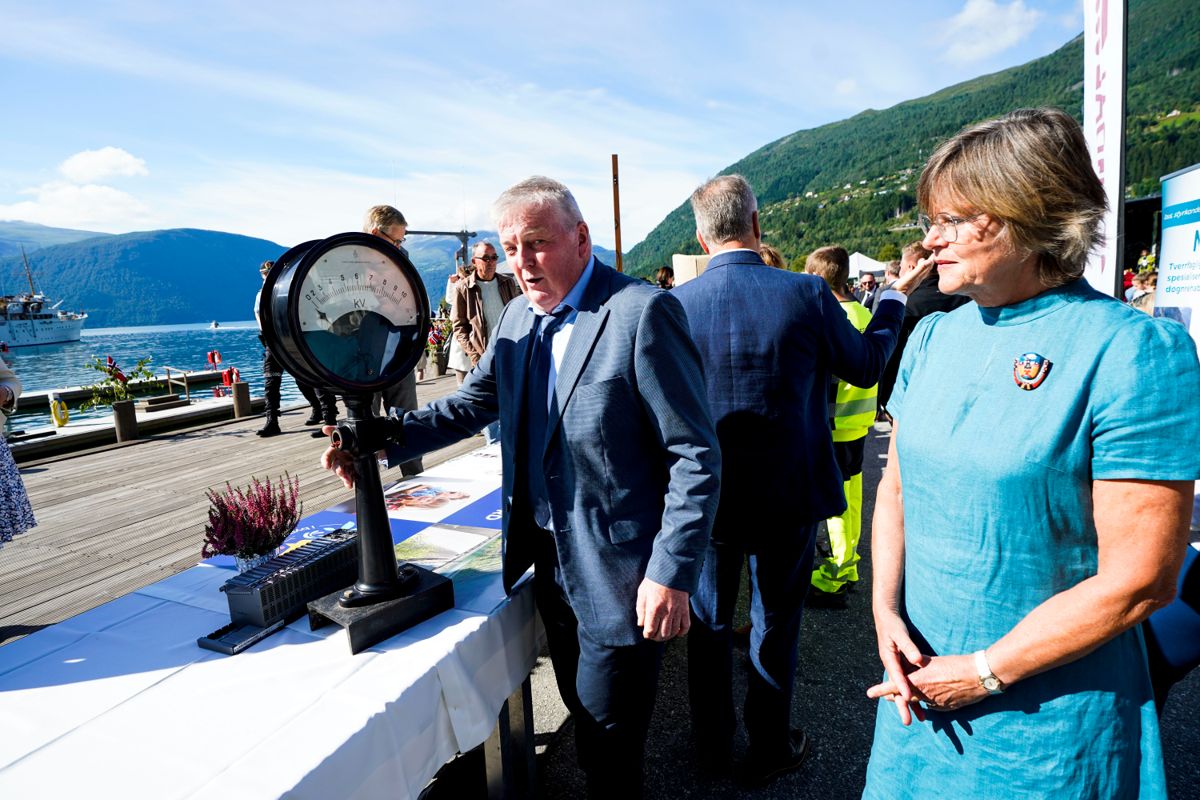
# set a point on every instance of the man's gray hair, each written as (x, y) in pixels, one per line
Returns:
(482, 243)
(537, 192)
(724, 209)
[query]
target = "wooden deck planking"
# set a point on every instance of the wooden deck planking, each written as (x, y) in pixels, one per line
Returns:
(114, 520)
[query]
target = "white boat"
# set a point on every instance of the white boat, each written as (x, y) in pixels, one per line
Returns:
(28, 319)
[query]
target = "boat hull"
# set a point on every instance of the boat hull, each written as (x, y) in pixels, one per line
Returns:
(29, 332)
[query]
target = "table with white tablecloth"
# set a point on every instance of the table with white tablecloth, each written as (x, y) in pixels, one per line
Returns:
(120, 701)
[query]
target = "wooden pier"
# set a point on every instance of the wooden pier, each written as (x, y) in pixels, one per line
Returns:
(118, 518)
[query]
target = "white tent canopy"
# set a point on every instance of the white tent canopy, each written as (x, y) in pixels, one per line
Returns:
(860, 264)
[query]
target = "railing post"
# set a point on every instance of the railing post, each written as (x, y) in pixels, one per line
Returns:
(125, 421)
(241, 399)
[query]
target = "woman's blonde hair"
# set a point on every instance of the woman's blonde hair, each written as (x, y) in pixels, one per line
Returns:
(1031, 170)
(771, 257)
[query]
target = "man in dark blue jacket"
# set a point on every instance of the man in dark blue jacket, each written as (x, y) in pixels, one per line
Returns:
(611, 470)
(769, 341)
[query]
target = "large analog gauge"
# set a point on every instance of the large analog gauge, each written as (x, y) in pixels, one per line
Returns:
(348, 313)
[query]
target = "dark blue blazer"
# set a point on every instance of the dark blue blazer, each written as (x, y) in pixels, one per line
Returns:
(630, 457)
(769, 341)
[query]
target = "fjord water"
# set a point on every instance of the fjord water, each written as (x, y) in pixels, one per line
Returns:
(59, 366)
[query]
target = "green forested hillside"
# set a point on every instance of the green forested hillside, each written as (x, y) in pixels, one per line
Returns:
(852, 182)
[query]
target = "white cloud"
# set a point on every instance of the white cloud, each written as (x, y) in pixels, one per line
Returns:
(94, 165)
(984, 28)
(90, 207)
(81, 202)
(846, 86)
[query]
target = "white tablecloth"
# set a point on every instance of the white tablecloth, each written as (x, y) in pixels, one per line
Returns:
(121, 702)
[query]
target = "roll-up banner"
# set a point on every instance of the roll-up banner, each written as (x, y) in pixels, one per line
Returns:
(1178, 292)
(1104, 127)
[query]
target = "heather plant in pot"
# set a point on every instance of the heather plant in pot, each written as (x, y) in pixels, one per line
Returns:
(250, 524)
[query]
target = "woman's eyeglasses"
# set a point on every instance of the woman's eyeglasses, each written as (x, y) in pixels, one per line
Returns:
(947, 226)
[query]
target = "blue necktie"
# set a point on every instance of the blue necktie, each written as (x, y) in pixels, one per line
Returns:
(537, 411)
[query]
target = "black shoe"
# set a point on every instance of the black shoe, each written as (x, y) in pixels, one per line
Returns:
(819, 598)
(758, 771)
(319, 434)
(314, 418)
(270, 429)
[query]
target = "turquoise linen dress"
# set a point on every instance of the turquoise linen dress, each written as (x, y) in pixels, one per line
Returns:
(1006, 416)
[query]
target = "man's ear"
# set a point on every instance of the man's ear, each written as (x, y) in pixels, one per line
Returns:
(703, 244)
(585, 238)
(754, 222)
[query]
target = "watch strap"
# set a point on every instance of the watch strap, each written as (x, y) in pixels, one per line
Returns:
(987, 678)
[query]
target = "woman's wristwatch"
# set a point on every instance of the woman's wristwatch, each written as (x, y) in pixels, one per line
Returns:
(987, 679)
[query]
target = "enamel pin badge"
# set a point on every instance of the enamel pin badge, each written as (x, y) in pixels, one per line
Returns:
(1030, 369)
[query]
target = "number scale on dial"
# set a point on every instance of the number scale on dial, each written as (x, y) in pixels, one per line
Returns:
(336, 287)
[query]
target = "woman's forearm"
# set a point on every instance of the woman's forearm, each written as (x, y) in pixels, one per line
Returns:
(887, 538)
(1142, 529)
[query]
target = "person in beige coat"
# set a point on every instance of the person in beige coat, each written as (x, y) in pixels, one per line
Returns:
(478, 300)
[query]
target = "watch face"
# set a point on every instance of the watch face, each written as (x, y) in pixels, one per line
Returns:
(358, 313)
(991, 683)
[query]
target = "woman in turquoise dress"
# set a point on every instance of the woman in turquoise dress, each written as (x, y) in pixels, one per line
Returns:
(1036, 503)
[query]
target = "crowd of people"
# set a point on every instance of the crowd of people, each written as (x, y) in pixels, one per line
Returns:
(655, 446)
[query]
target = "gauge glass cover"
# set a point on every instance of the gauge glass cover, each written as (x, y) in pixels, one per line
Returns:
(357, 311)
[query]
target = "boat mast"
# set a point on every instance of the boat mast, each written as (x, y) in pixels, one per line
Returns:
(28, 273)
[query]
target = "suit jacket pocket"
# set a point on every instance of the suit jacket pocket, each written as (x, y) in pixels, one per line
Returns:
(625, 530)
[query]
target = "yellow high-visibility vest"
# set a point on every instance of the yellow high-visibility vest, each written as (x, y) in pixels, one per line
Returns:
(852, 410)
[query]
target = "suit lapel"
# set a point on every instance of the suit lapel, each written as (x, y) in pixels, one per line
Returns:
(514, 371)
(589, 322)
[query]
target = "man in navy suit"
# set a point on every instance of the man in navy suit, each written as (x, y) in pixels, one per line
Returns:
(610, 463)
(769, 341)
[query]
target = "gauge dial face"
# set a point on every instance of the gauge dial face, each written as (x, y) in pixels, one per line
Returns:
(358, 313)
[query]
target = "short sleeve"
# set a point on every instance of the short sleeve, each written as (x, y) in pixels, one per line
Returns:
(1145, 421)
(914, 354)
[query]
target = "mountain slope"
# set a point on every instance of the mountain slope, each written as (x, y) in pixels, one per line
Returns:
(152, 278)
(852, 182)
(181, 275)
(15, 234)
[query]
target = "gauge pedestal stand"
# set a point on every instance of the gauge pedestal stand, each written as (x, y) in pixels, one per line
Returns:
(387, 598)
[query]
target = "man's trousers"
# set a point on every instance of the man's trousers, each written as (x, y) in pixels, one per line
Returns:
(322, 402)
(780, 574)
(837, 557)
(403, 395)
(608, 690)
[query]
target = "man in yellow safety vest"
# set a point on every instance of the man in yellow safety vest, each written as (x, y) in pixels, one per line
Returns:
(851, 415)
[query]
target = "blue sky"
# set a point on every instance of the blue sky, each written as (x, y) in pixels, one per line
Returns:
(287, 120)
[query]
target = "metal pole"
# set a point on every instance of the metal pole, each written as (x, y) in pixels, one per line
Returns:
(617, 212)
